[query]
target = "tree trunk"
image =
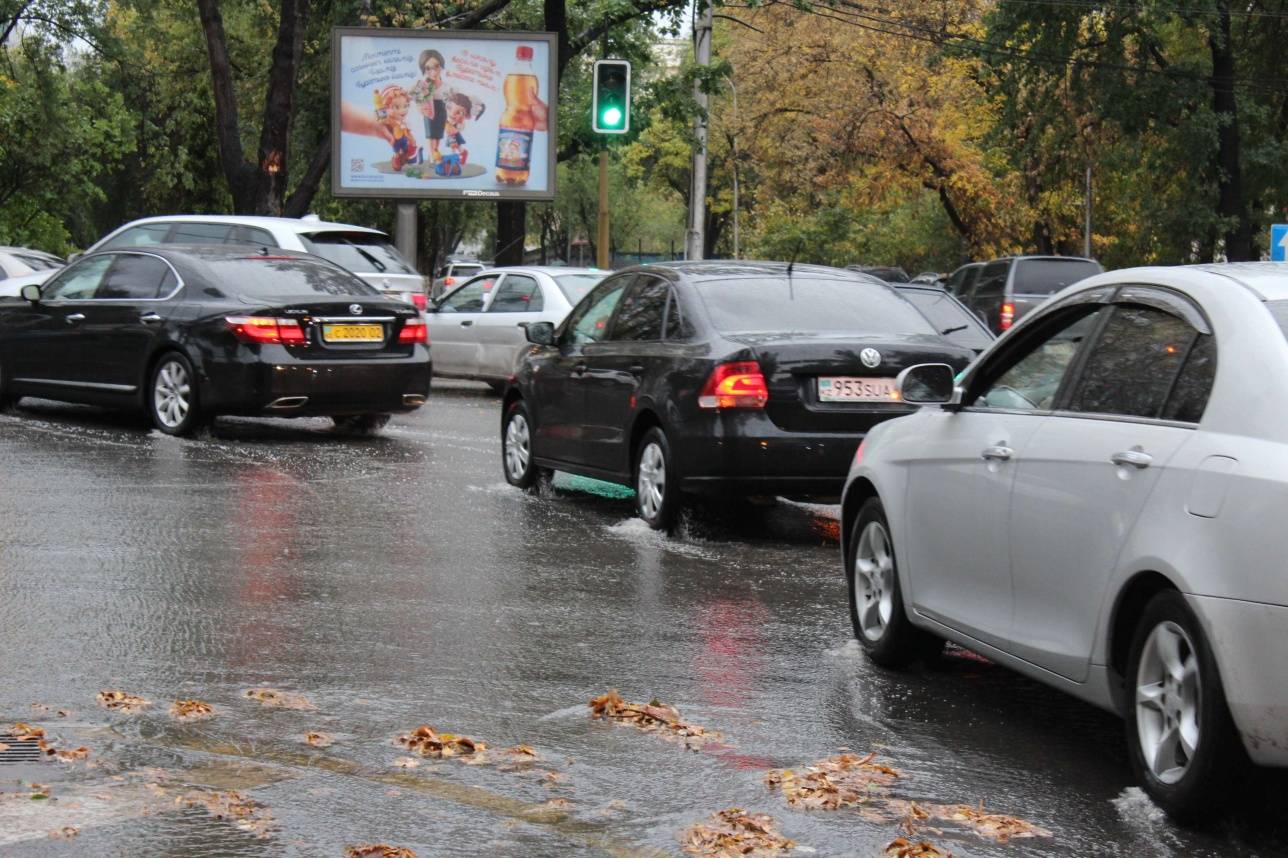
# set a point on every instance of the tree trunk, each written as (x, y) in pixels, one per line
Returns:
(1231, 205)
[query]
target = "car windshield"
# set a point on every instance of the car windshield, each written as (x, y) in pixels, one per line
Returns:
(1045, 276)
(358, 251)
(949, 317)
(810, 305)
(577, 286)
(463, 270)
(261, 277)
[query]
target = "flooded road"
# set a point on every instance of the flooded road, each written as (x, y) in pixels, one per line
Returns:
(397, 581)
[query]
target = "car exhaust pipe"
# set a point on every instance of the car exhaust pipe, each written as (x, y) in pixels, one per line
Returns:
(416, 399)
(288, 402)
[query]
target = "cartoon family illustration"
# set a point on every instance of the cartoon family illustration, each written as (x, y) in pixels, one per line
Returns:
(444, 112)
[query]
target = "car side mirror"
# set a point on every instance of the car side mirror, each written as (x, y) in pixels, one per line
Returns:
(541, 333)
(928, 384)
(30, 292)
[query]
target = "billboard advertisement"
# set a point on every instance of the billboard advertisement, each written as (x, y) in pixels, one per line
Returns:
(443, 114)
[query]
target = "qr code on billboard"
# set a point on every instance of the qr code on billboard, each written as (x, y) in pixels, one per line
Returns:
(357, 165)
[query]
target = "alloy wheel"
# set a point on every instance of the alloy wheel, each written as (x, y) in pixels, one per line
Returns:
(517, 447)
(1168, 698)
(172, 394)
(651, 483)
(874, 580)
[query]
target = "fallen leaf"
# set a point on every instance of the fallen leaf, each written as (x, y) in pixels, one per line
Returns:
(67, 832)
(3, 747)
(25, 732)
(275, 699)
(63, 713)
(244, 813)
(377, 850)
(845, 780)
(38, 791)
(72, 755)
(902, 847)
(191, 710)
(424, 741)
(122, 701)
(319, 739)
(650, 717)
(734, 832)
(998, 826)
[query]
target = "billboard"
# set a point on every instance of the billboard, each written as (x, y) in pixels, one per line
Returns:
(443, 114)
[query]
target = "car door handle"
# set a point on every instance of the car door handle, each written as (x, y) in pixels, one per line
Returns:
(467, 323)
(75, 318)
(1132, 458)
(997, 453)
(149, 318)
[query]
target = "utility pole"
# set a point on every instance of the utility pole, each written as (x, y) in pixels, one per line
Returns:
(698, 195)
(733, 146)
(1086, 223)
(405, 232)
(603, 254)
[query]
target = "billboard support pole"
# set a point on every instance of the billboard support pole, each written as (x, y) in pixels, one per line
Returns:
(405, 232)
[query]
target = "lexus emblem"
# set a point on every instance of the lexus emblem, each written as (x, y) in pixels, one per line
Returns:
(871, 358)
(356, 309)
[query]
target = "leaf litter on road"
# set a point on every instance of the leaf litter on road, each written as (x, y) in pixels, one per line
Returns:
(652, 717)
(902, 847)
(377, 850)
(274, 699)
(191, 710)
(998, 826)
(732, 833)
(844, 780)
(246, 814)
(424, 740)
(318, 739)
(121, 701)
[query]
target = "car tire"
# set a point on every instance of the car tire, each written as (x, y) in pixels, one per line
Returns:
(1184, 748)
(657, 484)
(360, 424)
(517, 461)
(877, 612)
(7, 399)
(173, 399)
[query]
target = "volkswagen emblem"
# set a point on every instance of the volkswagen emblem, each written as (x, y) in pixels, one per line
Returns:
(871, 358)
(356, 309)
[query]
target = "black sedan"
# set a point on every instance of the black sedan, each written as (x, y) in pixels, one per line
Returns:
(732, 378)
(191, 332)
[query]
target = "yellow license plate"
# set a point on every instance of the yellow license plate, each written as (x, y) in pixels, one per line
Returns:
(353, 333)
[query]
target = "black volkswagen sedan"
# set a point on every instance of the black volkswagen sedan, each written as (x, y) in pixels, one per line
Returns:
(735, 378)
(188, 333)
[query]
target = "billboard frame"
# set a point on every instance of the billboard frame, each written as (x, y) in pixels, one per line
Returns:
(500, 193)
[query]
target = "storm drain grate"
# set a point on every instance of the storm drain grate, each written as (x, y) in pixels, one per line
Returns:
(19, 750)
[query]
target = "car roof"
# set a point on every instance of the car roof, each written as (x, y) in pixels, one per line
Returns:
(4, 248)
(552, 270)
(305, 224)
(214, 252)
(1267, 280)
(1023, 257)
(727, 269)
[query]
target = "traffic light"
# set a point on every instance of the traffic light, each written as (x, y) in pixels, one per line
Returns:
(611, 103)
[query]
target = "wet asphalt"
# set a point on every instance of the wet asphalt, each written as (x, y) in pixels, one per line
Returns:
(397, 580)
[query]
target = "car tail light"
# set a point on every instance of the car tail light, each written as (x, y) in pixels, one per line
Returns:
(449, 281)
(858, 454)
(735, 385)
(419, 301)
(414, 331)
(266, 329)
(1007, 317)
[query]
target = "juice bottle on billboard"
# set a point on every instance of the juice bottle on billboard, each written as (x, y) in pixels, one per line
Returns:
(380, 107)
(514, 141)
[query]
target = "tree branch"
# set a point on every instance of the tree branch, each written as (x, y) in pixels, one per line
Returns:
(297, 204)
(17, 16)
(470, 20)
(588, 36)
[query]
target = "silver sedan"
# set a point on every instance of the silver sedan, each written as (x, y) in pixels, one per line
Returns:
(1098, 503)
(477, 330)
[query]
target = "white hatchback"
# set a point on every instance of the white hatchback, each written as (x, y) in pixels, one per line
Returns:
(358, 249)
(477, 331)
(1098, 503)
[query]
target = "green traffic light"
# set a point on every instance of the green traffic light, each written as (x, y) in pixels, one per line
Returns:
(611, 117)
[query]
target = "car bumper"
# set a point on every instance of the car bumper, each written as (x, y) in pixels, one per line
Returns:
(749, 455)
(290, 387)
(1250, 641)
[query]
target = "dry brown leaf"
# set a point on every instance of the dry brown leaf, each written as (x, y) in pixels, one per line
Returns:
(845, 780)
(122, 701)
(191, 710)
(424, 741)
(902, 847)
(38, 791)
(275, 699)
(246, 814)
(318, 739)
(998, 826)
(26, 732)
(3, 747)
(651, 717)
(67, 832)
(71, 756)
(732, 833)
(377, 850)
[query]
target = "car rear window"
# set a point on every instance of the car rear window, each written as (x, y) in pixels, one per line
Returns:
(1044, 276)
(949, 317)
(577, 286)
(810, 305)
(277, 277)
(358, 252)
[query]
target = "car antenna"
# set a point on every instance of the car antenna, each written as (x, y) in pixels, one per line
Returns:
(791, 263)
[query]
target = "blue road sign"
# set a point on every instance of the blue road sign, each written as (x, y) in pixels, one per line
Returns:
(1279, 242)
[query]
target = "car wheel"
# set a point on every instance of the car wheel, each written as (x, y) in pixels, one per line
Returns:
(7, 399)
(361, 424)
(520, 468)
(173, 399)
(657, 489)
(1184, 747)
(877, 611)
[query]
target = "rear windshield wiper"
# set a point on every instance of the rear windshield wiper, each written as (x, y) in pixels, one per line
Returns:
(380, 266)
(946, 331)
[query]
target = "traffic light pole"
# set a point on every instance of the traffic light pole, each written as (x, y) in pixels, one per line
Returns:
(697, 239)
(603, 253)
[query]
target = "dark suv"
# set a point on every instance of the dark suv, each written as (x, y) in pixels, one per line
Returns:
(1005, 289)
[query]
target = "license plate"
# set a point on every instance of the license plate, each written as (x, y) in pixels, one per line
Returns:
(353, 333)
(853, 389)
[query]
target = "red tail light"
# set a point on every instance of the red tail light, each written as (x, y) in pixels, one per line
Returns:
(1008, 316)
(414, 331)
(265, 329)
(419, 300)
(449, 281)
(858, 454)
(735, 385)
